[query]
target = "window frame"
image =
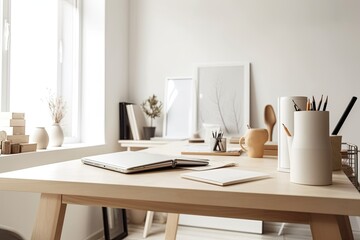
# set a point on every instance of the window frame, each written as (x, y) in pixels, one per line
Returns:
(5, 47)
(75, 58)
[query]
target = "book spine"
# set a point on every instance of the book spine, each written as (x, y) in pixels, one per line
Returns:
(123, 119)
(132, 121)
(121, 131)
(125, 131)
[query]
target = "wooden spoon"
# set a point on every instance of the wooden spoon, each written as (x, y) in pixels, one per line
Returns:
(270, 119)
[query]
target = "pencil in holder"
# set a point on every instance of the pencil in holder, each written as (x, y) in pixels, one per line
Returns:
(218, 144)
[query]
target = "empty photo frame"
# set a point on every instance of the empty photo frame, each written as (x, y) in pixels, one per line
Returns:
(178, 107)
(222, 97)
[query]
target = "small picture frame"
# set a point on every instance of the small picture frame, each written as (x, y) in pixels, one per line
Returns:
(178, 107)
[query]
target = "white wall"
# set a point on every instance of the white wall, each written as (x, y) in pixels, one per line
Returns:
(295, 48)
(116, 64)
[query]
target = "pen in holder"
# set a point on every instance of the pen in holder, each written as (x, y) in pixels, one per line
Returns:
(218, 142)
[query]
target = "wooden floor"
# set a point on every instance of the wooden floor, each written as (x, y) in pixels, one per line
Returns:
(191, 233)
(301, 232)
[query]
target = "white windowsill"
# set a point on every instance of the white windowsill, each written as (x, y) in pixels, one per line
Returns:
(11, 162)
(64, 147)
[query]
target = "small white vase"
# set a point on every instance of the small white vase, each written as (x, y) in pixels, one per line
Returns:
(56, 135)
(41, 137)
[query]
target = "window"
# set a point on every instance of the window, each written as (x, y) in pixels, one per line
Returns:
(40, 53)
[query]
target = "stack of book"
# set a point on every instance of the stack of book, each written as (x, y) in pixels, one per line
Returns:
(137, 121)
(271, 149)
(13, 124)
(125, 131)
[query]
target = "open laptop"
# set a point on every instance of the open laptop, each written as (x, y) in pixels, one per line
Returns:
(130, 162)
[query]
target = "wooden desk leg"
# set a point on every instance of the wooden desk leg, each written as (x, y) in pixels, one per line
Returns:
(345, 227)
(50, 218)
(148, 223)
(171, 226)
(329, 227)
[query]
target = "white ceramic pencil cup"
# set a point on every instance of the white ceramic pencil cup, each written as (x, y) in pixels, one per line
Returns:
(310, 155)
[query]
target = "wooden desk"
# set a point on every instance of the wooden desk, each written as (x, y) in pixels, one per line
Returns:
(326, 209)
(132, 145)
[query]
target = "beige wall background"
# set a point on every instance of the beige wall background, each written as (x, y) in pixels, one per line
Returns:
(294, 47)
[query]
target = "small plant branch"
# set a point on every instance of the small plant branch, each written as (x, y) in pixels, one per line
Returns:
(152, 108)
(57, 107)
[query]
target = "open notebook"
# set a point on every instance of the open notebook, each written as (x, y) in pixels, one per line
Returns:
(130, 162)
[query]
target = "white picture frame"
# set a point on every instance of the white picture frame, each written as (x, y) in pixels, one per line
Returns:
(222, 97)
(178, 107)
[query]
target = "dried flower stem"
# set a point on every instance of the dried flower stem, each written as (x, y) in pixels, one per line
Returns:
(57, 107)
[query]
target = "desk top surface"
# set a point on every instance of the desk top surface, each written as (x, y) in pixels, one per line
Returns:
(166, 185)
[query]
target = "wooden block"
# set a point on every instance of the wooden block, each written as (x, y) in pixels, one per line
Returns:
(12, 122)
(13, 130)
(18, 138)
(3, 136)
(9, 115)
(28, 147)
(5, 147)
(15, 148)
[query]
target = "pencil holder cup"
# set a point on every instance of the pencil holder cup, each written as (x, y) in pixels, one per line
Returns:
(218, 144)
(310, 154)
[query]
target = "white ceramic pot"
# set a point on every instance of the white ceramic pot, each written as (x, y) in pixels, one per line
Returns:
(41, 137)
(56, 135)
(149, 132)
(311, 162)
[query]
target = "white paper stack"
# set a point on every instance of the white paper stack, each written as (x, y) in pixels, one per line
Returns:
(286, 116)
